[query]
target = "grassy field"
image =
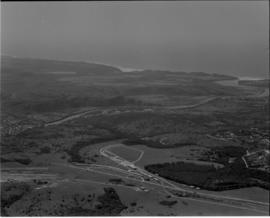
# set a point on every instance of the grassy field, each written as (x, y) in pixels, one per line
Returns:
(155, 155)
(128, 153)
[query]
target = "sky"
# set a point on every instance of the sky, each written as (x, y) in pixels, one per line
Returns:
(226, 37)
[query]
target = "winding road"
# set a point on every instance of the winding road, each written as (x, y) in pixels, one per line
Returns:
(172, 189)
(99, 111)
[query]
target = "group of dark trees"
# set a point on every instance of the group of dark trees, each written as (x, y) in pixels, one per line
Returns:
(12, 192)
(208, 177)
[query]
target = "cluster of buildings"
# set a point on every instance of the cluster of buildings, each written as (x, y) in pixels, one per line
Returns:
(259, 138)
(11, 127)
(258, 159)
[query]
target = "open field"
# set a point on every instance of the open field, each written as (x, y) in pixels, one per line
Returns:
(198, 196)
(129, 153)
(154, 155)
(148, 205)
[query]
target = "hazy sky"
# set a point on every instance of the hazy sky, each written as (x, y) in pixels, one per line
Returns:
(218, 37)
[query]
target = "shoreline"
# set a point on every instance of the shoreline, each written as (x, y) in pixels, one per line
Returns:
(131, 69)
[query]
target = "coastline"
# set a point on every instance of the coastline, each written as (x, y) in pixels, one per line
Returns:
(131, 69)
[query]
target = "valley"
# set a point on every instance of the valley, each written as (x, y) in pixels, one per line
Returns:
(144, 142)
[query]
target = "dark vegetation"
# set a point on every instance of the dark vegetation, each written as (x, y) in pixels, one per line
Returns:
(12, 192)
(133, 140)
(73, 152)
(40, 133)
(4, 160)
(168, 203)
(76, 204)
(116, 181)
(141, 128)
(210, 178)
(138, 125)
(60, 104)
(40, 182)
(68, 137)
(24, 161)
(133, 204)
(45, 150)
(110, 203)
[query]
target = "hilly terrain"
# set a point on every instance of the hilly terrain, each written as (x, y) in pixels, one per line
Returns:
(145, 142)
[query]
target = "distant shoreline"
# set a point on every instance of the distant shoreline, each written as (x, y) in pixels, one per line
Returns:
(251, 78)
(128, 70)
(123, 69)
(131, 69)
